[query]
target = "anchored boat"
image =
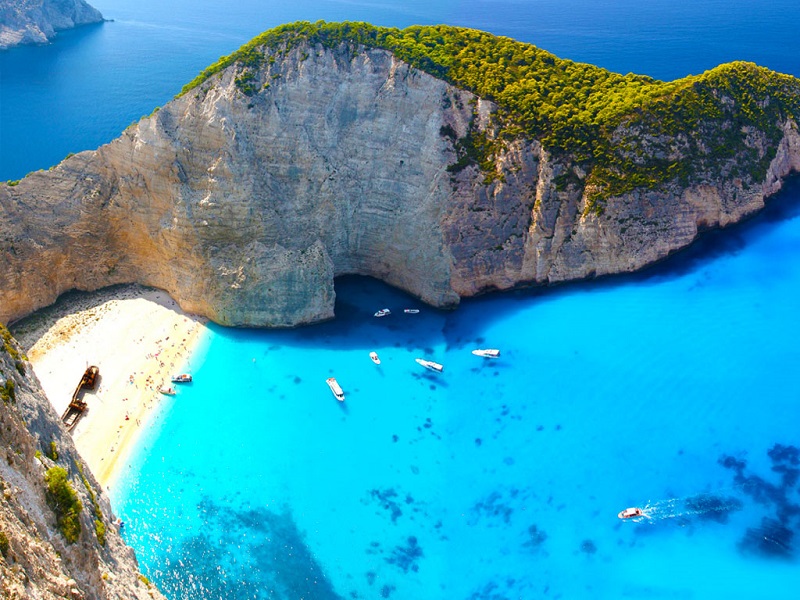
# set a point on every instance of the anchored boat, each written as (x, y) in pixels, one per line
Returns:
(411, 311)
(429, 364)
(487, 352)
(167, 391)
(374, 357)
(383, 312)
(182, 378)
(335, 388)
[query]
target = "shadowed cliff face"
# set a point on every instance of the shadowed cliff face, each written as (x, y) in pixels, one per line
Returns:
(244, 199)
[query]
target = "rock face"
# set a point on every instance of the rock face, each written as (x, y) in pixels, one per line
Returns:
(37, 21)
(36, 561)
(245, 197)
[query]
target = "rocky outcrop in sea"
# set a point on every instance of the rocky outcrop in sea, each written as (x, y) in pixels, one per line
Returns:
(38, 21)
(246, 196)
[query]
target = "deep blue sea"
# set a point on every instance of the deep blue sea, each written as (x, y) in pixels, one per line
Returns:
(674, 390)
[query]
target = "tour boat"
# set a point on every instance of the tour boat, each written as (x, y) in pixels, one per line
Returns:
(374, 357)
(182, 378)
(631, 513)
(429, 364)
(383, 312)
(335, 388)
(487, 353)
(169, 391)
(411, 311)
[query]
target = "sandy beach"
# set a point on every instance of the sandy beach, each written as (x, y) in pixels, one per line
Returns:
(138, 337)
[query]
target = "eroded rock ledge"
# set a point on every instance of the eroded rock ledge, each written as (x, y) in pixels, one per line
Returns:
(245, 206)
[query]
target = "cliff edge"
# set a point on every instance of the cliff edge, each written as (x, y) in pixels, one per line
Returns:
(58, 536)
(445, 162)
(37, 21)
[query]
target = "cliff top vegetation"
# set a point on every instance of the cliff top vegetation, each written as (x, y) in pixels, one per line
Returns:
(627, 131)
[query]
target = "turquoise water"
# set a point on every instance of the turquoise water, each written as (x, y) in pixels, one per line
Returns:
(674, 390)
(496, 479)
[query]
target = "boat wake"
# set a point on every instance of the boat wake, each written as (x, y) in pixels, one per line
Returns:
(706, 506)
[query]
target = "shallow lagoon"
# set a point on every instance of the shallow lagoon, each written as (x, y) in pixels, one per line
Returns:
(495, 479)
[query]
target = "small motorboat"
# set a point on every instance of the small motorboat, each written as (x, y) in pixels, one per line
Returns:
(411, 311)
(631, 513)
(487, 352)
(429, 364)
(168, 391)
(182, 378)
(374, 357)
(335, 388)
(383, 312)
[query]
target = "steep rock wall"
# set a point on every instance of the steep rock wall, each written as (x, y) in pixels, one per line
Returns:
(245, 197)
(37, 562)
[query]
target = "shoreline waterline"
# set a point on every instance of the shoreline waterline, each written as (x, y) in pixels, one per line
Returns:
(137, 336)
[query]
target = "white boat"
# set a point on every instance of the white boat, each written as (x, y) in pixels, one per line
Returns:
(631, 513)
(383, 312)
(411, 311)
(429, 364)
(487, 352)
(335, 388)
(169, 391)
(182, 378)
(374, 357)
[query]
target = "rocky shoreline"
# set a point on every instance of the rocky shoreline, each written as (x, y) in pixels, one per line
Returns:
(25, 22)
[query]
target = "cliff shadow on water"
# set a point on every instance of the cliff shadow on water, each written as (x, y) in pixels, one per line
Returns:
(710, 245)
(355, 326)
(359, 297)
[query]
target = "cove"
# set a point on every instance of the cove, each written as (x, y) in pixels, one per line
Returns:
(499, 478)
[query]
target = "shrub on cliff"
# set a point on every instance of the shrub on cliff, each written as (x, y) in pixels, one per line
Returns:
(65, 503)
(626, 131)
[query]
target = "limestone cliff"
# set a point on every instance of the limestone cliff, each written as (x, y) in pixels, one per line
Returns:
(37, 21)
(245, 196)
(36, 561)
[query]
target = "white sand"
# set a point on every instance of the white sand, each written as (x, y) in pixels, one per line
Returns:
(138, 338)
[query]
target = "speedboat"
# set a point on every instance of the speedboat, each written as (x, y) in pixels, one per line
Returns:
(631, 513)
(335, 388)
(429, 364)
(383, 312)
(182, 378)
(411, 311)
(169, 391)
(374, 357)
(487, 353)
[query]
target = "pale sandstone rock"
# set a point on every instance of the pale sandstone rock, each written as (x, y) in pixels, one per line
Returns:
(245, 208)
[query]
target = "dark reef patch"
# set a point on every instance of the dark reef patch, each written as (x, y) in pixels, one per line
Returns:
(777, 530)
(406, 556)
(279, 564)
(535, 537)
(493, 507)
(389, 500)
(771, 538)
